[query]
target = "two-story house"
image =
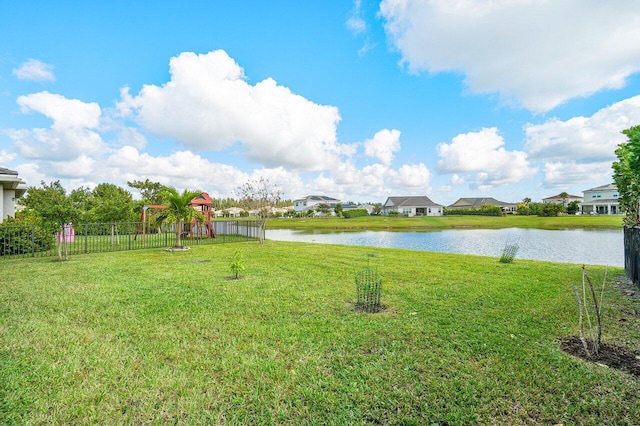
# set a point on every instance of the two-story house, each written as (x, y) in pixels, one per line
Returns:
(310, 202)
(601, 200)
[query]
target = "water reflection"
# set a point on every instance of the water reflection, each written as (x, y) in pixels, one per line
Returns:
(599, 247)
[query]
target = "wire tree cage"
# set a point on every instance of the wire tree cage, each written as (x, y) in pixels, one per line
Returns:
(368, 289)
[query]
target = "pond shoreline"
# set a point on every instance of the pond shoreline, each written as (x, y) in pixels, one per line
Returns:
(431, 223)
(578, 246)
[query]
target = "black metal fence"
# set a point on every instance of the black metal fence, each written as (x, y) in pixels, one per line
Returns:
(32, 241)
(632, 253)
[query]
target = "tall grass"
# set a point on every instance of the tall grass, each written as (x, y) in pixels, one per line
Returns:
(151, 337)
(509, 252)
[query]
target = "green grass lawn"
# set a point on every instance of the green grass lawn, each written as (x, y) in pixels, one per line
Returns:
(448, 222)
(151, 337)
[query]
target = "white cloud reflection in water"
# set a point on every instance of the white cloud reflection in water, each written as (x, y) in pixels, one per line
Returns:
(595, 247)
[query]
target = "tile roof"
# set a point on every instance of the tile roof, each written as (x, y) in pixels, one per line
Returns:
(411, 201)
(473, 202)
(4, 171)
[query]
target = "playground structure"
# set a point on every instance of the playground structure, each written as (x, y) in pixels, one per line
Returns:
(201, 203)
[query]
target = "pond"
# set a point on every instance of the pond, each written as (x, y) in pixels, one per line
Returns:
(595, 247)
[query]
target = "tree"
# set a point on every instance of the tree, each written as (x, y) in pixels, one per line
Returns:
(178, 210)
(525, 201)
(626, 175)
(55, 209)
(338, 210)
(151, 192)
(259, 195)
(564, 197)
(550, 209)
(82, 199)
(573, 207)
(323, 208)
(110, 203)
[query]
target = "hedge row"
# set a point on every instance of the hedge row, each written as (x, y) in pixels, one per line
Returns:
(483, 211)
(348, 214)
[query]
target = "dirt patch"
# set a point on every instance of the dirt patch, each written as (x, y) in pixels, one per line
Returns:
(627, 287)
(613, 356)
(610, 355)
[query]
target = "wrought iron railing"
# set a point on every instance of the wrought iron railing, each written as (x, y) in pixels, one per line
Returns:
(33, 241)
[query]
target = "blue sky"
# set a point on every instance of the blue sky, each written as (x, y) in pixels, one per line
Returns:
(358, 100)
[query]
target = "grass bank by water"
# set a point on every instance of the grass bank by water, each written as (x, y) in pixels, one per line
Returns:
(448, 222)
(156, 337)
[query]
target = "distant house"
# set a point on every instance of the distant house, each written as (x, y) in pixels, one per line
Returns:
(272, 211)
(233, 212)
(477, 202)
(11, 188)
(368, 207)
(310, 202)
(601, 200)
(412, 206)
(558, 199)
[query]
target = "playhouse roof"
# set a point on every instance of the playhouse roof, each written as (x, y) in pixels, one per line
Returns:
(202, 200)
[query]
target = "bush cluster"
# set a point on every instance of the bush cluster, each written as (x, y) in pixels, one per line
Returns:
(485, 210)
(348, 214)
(22, 236)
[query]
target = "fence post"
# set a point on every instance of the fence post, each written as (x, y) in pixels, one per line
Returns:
(33, 241)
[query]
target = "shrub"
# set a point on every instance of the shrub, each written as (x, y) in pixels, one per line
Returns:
(484, 210)
(550, 210)
(23, 236)
(237, 264)
(509, 252)
(347, 214)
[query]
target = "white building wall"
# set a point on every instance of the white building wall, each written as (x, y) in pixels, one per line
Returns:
(8, 207)
(2, 203)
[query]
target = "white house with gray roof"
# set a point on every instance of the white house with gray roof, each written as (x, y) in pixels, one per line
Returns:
(601, 200)
(412, 206)
(310, 202)
(11, 188)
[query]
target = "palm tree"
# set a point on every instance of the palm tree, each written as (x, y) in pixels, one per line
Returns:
(564, 197)
(178, 210)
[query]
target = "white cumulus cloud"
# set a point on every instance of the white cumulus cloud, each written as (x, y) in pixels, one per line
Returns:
(564, 174)
(72, 133)
(383, 146)
(34, 70)
(209, 105)
(5, 157)
(588, 139)
(483, 152)
(538, 53)
(409, 178)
